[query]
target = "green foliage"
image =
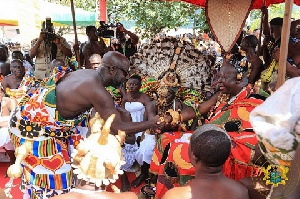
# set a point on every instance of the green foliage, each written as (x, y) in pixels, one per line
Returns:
(275, 10)
(200, 20)
(151, 17)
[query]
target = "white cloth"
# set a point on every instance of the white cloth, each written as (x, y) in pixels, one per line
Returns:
(129, 152)
(275, 119)
(186, 137)
(5, 139)
(145, 152)
(28, 67)
(4, 135)
(136, 110)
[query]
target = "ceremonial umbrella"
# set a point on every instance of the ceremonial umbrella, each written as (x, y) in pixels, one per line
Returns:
(226, 19)
(256, 4)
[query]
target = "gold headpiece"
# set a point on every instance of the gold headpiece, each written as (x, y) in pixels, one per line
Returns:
(173, 63)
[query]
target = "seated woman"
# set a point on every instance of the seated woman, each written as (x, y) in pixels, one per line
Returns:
(231, 112)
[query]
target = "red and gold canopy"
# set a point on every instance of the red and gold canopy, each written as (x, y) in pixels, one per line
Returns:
(256, 4)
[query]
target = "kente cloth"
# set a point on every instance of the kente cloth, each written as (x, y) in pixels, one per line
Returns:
(116, 94)
(170, 162)
(270, 74)
(188, 96)
(47, 166)
(170, 159)
(28, 82)
(234, 117)
(274, 122)
(149, 86)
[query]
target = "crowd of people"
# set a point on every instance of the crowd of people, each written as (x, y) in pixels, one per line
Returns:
(217, 145)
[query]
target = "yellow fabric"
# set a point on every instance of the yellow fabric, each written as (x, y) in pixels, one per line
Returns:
(266, 75)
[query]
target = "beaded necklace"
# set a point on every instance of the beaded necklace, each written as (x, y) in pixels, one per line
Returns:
(223, 98)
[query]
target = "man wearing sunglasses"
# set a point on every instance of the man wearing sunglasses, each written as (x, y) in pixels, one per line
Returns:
(60, 110)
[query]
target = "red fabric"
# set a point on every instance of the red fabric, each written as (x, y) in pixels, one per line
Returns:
(102, 10)
(236, 167)
(178, 156)
(256, 5)
(17, 194)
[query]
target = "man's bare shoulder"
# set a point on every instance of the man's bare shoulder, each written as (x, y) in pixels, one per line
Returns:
(7, 79)
(80, 80)
(126, 97)
(146, 96)
(152, 104)
(145, 99)
(236, 188)
(86, 47)
(178, 192)
(10, 76)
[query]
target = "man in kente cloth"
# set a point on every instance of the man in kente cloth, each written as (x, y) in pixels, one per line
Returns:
(45, 125)
(231, 112)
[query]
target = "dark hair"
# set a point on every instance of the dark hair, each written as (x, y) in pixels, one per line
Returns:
(136, 77)
(278, 21)
(211, 147)
(89, 28)
(252, 39)
(5, 47)
(16, 60)
(17, 51)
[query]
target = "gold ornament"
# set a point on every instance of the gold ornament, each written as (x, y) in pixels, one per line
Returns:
(98, 158)
(15, 170)
(15, 93)
(170, 79)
